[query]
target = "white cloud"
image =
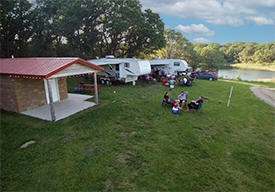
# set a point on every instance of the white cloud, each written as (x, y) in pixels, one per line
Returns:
(255, 3)
(202, 40)
(195, 29)
(216, 12)
(261, 20)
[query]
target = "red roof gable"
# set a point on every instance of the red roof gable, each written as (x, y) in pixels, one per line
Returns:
(39, 67)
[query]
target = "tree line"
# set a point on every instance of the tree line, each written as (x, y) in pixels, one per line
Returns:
(237, 52)
(93, 28)
(214, 55)
(82, 28)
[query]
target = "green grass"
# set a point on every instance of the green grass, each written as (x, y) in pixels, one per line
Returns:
(130, 142)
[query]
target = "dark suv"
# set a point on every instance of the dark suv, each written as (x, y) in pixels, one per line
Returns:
(206, 75)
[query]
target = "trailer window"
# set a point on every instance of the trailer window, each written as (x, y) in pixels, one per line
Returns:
(176, 63)
(126, 65)
(117, 67)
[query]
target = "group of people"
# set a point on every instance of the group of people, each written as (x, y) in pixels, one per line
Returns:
(185, 80)
(171, 80)
(181, 101)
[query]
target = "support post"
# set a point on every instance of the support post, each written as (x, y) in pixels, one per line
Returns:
(96, 91)
(51, 101)
(134, 83)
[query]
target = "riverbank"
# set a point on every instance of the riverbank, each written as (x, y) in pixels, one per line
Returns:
(264, 67)
(268, 80)
(130, 142)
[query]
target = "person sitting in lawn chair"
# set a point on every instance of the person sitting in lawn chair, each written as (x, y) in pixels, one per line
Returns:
(167, 100)
(176, 107)
(183, 98)
(197, 105)
(187, 81)
(172, 83)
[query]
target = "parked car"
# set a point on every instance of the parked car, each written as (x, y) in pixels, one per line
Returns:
(206, 75)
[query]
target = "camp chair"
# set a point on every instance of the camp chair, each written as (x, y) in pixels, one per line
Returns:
(167, 103)
(197, 109)
(200, 106)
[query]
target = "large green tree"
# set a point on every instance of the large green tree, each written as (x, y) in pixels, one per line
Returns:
(84, 28)
(80, 21)
(211, 56)
(48, 30)
(125, 30)
(177, 47)
(15, 27)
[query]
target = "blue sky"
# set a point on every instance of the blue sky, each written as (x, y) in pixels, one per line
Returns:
(219, 21)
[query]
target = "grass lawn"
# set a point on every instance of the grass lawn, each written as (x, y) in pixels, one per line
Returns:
(131, 142)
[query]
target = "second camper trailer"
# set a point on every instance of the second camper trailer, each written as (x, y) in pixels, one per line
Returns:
(170, 66)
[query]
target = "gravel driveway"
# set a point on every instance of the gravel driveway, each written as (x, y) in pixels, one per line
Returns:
(265, 94)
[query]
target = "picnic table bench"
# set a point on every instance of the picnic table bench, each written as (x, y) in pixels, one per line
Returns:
(89, 87)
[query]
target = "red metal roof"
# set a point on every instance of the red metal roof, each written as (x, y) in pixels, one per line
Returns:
(39, 67)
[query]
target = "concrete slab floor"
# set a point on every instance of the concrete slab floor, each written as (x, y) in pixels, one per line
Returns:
(65, 108)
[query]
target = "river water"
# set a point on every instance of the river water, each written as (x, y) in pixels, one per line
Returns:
(248, 75)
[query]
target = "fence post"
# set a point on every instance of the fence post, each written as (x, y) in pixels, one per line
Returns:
(228, 103)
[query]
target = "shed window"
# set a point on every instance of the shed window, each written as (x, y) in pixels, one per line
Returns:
(176, 63)
(126, 65)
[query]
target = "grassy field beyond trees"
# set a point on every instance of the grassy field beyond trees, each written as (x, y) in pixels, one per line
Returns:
(131, 142)
(255, 66)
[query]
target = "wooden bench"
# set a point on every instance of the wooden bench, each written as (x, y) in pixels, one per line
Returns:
(89, 87)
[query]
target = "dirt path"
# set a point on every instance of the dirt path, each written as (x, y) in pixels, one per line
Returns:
(265, 94)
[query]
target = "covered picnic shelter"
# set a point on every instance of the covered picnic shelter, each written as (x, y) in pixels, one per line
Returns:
(37, 86)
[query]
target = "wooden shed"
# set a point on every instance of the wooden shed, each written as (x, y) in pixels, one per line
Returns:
(27, 83)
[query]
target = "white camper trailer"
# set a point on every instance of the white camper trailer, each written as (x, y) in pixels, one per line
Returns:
(171, 66)
(121, 69)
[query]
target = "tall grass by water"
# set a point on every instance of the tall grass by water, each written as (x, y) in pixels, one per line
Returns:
(255, 66)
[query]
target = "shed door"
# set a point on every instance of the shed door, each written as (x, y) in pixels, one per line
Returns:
(54, 88)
